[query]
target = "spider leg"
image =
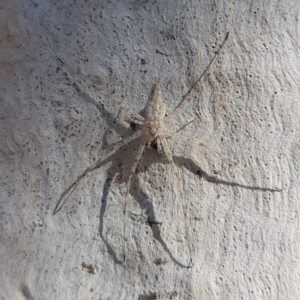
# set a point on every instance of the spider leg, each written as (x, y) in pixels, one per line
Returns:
(186, 124)
(176, 173)
(132, 115)
(159, 146)
(188, 97)
(132, 170)
(108, 152)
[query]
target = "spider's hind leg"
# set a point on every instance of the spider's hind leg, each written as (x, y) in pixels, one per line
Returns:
(176, 173)
(132, 170)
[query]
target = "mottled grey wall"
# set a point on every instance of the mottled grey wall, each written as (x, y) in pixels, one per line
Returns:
(245, 238)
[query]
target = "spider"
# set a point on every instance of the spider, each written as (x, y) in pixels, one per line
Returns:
(154, 129)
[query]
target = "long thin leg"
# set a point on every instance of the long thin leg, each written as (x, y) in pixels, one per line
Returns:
(108, 152)
(176, 173)
(186, 124)
(132, 115)
(198, 83)
(132, 170)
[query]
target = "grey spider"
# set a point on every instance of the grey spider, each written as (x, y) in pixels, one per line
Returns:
(154, 128)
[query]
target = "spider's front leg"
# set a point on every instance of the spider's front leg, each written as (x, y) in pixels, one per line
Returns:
(107, 153)
(195, 88)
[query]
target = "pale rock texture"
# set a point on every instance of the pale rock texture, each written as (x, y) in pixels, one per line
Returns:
(245, 237)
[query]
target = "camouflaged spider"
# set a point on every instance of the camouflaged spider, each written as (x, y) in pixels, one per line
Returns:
(155, 128)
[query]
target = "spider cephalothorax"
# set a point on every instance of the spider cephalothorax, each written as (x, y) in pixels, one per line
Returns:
(154, 124)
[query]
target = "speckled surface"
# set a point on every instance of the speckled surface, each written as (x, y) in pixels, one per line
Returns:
(245, 239)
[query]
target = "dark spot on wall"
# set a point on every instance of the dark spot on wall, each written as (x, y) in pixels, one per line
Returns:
(26, 291)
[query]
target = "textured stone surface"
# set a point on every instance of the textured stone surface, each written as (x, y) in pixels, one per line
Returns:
(245, 239)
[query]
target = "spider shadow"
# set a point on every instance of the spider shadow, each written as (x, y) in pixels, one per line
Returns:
(145, 205)
(142, 200)
(109, 118)
(194, 168)
(138, 194)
